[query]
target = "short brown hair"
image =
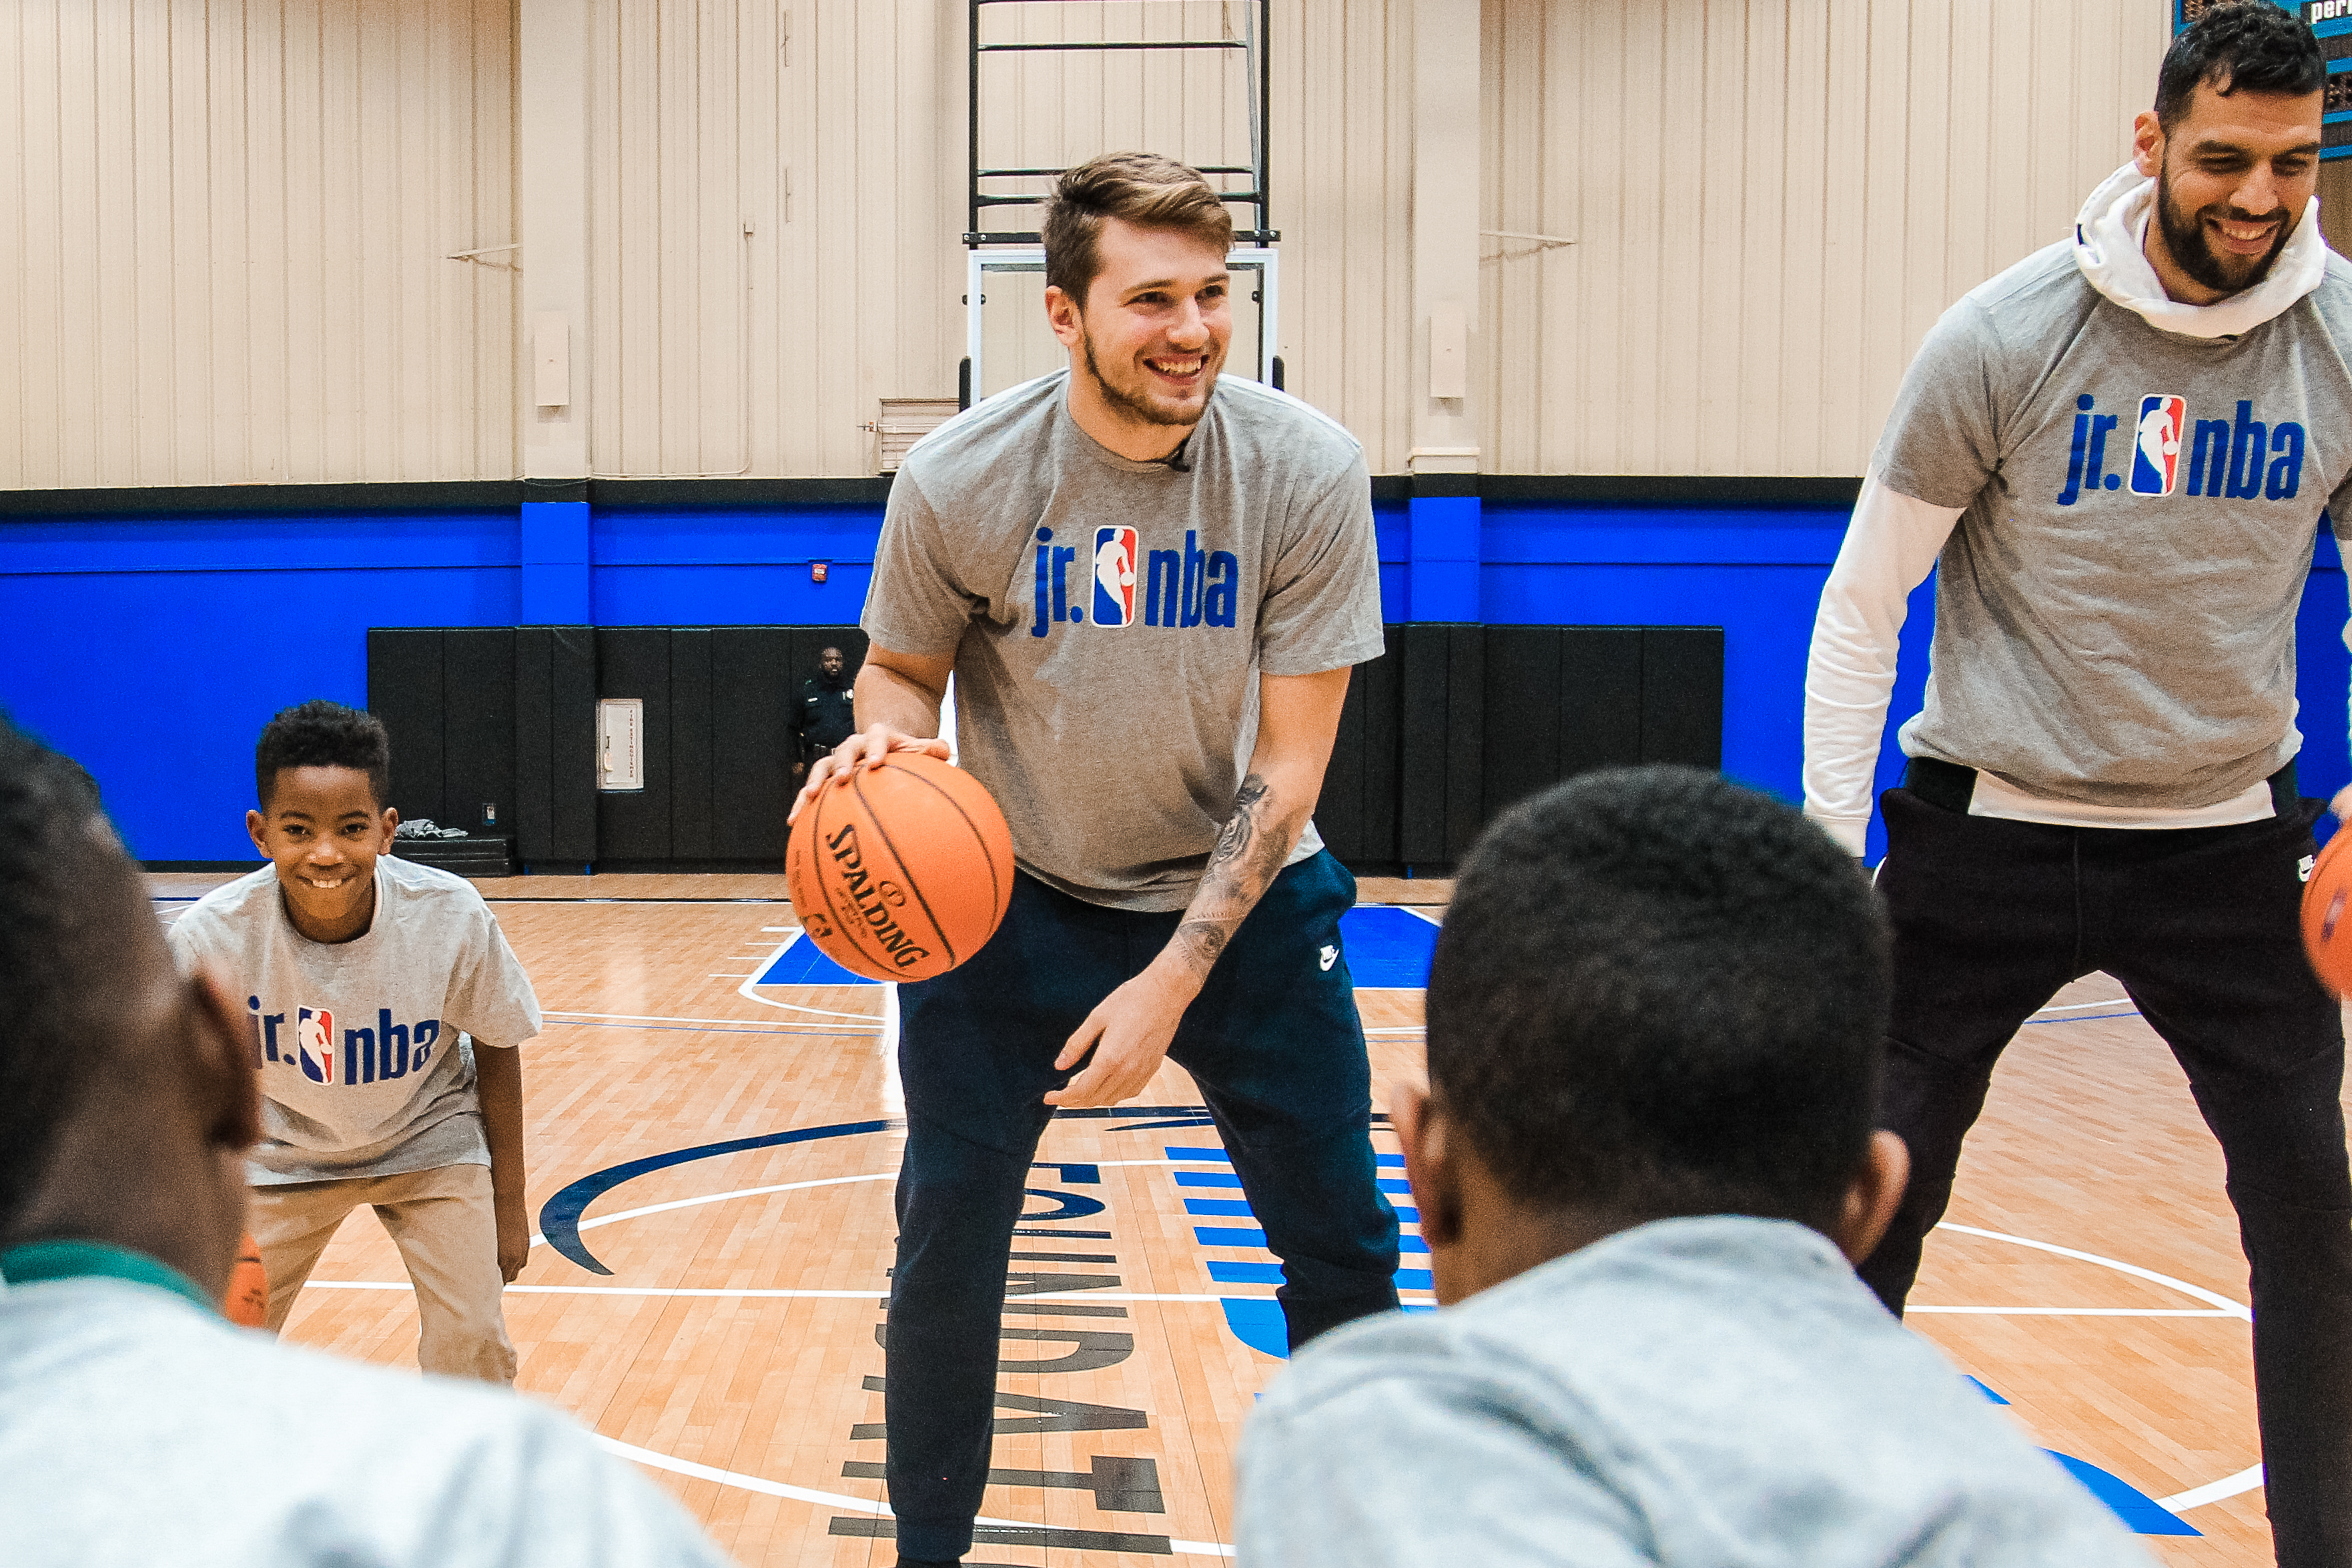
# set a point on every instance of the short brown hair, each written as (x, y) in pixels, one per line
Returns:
(1142, 188)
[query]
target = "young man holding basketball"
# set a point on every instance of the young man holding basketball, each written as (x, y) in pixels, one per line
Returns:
(2120, 450)
(1150, 585)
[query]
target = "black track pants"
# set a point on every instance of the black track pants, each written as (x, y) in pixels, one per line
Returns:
(1991, 917)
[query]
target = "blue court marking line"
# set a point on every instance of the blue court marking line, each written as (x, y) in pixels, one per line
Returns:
(1225, 1273)
(1387, 948)
(1222, 1158)
(1226, 1179)
(1231, 1208)
(2141, 1512)
(559, 1217)
(2086, 1019)
(1256, 1321)
(1234, 1236)
(801, 961)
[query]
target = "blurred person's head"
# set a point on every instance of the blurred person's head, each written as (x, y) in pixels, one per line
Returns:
(127, 1095)
(1657, 994)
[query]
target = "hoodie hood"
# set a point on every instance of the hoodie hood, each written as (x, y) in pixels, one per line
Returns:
(2112, 228)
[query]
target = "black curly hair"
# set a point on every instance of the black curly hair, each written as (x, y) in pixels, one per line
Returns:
(1659, 993)
(71, 911)
(2252, 47)
(320, 733)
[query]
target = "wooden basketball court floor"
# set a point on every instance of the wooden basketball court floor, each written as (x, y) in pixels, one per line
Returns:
(712, 1141)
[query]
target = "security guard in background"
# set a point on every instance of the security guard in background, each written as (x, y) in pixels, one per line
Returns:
(824, 716)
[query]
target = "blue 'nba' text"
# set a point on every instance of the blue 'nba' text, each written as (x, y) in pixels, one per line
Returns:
(2242, 458)
(1191, 587)
(389, 1051)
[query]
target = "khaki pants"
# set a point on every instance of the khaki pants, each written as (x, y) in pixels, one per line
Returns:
(445, 1226)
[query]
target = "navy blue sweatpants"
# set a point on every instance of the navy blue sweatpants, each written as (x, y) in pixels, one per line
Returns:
(1277, 1047)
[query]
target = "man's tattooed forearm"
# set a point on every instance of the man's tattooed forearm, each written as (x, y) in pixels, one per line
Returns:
(1242, 828)
(1204, 940)
(1247, 853)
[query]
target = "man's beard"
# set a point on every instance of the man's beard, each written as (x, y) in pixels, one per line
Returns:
(1141, 409)
(2193, 249)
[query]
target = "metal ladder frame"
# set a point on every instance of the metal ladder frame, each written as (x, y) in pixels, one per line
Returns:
(1019, 250)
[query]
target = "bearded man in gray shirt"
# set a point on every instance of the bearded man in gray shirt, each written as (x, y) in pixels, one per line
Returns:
(2119, 450)
(1150, 585)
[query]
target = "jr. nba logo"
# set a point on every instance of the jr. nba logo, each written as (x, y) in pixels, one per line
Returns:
(2156, 445)
(314, 1035)
(1115, 577)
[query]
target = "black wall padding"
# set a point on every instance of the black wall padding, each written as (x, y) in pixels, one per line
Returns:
(753, 678)
(406, 690)
(554, 744)
(1563, 700)
(1357, 813)
(634, 661)
(478, 697)
(1681, 695)
(571, 760)
(690, 717)
(1439, 803)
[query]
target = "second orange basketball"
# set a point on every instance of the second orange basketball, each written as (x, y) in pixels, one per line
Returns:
(903, 872)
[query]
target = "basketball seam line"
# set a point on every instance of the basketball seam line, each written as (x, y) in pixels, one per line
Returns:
(1003, 901)
(892, 845)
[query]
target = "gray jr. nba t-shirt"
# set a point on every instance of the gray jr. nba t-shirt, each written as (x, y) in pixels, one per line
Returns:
(2115, 610)
(357, 1042)
(1109, 619)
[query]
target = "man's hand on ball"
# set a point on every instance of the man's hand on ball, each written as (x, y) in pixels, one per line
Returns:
(867, 747)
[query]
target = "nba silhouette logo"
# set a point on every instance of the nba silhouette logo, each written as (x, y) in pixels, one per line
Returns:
(314, 1038)
(1115, 577)
(2156, 445)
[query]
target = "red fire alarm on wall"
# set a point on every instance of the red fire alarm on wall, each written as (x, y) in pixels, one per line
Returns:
(817, 569)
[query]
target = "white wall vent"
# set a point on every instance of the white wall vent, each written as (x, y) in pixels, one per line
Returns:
(904, 422)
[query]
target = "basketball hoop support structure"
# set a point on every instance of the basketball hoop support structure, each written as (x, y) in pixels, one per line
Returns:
(1018, 251)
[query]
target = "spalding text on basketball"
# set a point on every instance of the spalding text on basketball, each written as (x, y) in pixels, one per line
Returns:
(872, 899)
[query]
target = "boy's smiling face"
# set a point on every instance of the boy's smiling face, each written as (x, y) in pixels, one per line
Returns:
(323, 828)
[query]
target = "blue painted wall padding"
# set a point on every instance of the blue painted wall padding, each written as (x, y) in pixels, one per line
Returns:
(153, 648)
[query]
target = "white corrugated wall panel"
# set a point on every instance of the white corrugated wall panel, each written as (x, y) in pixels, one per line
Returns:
(839, 133)
(1772, 200)
(224, 226)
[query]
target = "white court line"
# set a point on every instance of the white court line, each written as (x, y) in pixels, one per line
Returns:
(2078, 1311)
(2229, 1309)
(2245, 1480)
(746, 991)
(835, 1500)
(2085, 1006)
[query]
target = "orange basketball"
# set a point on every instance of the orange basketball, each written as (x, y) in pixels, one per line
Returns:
(903, 872)
(247, 1302)
(2328, 915)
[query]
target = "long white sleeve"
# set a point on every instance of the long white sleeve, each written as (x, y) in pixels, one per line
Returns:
(1890, 547)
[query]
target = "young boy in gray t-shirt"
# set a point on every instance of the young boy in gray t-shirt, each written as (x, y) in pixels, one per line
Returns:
(385, 1007)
